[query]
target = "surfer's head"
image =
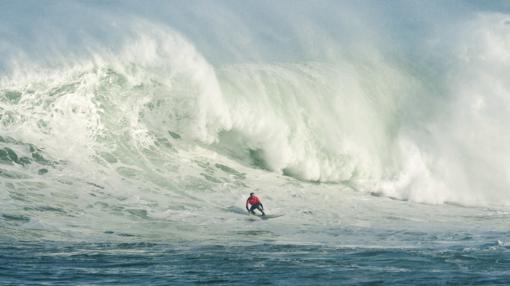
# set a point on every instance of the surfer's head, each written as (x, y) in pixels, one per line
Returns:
(251, 194)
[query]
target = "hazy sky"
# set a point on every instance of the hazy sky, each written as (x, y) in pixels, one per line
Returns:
(232, 31)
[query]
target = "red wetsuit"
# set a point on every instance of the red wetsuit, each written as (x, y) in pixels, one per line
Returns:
(253, 200)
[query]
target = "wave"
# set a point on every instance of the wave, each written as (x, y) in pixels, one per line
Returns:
(132, 126)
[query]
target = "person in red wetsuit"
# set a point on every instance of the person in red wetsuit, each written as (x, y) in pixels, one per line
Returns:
(255, 203)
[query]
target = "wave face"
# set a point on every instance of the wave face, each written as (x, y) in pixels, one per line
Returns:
(128, 116)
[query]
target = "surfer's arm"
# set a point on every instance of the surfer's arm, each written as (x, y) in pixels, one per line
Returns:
(247, 205)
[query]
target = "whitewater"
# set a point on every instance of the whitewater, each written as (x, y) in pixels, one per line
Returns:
(131, 135)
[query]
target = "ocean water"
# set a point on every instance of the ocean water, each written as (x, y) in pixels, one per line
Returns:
(375, 134)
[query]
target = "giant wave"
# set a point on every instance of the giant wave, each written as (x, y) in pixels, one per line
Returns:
(137, 119)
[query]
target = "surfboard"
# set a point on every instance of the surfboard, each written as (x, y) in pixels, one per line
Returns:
(265, 217)
(238, 210)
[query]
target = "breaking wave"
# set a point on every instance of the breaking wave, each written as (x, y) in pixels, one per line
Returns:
(150, 114)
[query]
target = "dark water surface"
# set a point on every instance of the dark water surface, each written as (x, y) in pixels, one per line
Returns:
(269, 264)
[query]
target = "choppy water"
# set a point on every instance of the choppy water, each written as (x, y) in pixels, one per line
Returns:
(450, 262)
(129, 143)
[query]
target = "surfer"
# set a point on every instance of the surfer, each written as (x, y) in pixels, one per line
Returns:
(255, 203)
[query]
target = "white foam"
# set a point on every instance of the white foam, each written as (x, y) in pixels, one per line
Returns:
(365, 121)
